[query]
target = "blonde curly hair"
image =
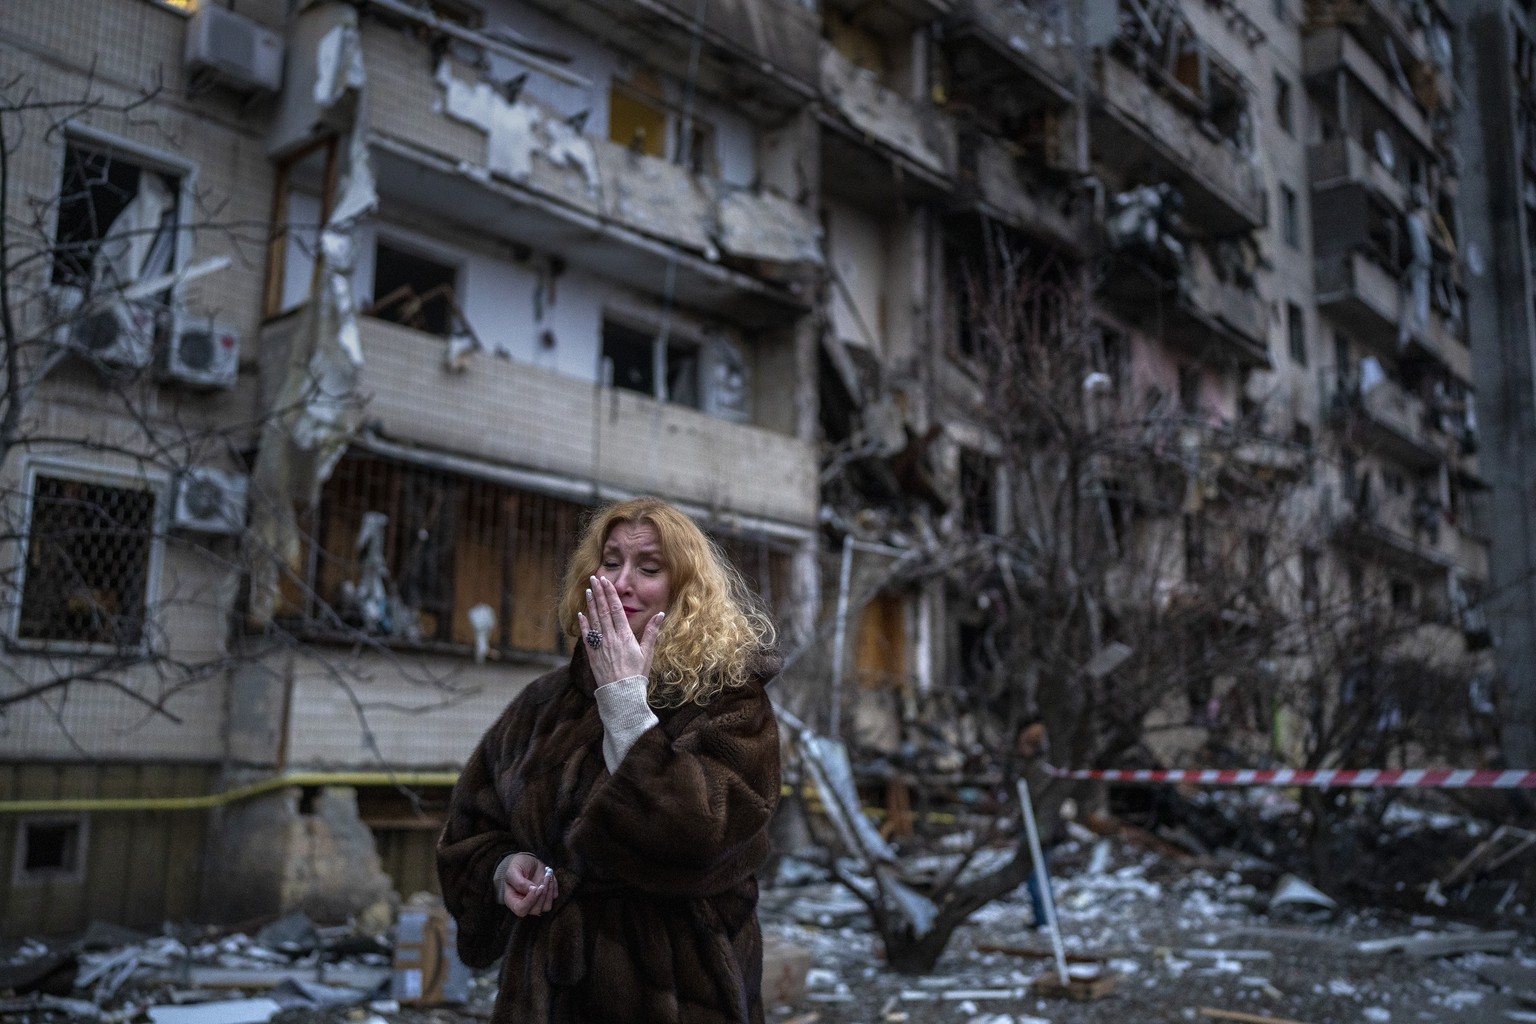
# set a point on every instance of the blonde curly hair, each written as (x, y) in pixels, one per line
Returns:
(715, 628)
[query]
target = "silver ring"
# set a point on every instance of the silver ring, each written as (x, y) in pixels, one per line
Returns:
(594, 639)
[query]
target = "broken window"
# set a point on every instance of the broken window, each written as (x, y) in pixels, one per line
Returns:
(1402, 595)
(443, 545)
(1189, 390)
(117, 220)
(637, 360)
(90, 548)
(881, 649)
(640, 118)
(1284, 106)
(1290, 217)
(413, 290)
(458, 561)
(1296, 333)
(49, 850)
(1310, 583)
(978, 492)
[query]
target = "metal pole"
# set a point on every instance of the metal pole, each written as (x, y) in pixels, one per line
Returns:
(1043, 880)
(840, 639)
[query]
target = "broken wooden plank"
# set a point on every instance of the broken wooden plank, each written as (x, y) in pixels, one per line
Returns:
(1441, 945)
(1078, 987)
(1243, 1018)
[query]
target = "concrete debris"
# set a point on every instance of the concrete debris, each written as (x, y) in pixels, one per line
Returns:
(1442, 944)
(1295, 898)
(230, 1011)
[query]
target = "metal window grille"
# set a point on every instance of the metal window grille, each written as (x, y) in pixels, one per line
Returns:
(453, 542)
(88, 562)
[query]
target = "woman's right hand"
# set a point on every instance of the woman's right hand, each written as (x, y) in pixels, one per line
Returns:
(530, 886)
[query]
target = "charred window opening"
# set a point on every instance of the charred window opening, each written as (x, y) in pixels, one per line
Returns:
(1189, 390)
(422, 556)
(117, 221)
(1403, 596)
(1296, 333)
(641, 118)
(1196, 561)
(635, 360)
(408, 552)
(413, 290)
(1285, 103)
(89, 549)
(1290, 217)
(50, 850)
(1311, 583)
(978, 492)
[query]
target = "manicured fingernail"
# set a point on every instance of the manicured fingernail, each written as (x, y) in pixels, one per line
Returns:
(589, 591)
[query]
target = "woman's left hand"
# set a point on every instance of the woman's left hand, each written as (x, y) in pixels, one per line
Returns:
(618, 654)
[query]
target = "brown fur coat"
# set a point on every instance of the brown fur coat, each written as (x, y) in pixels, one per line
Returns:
(656, 922)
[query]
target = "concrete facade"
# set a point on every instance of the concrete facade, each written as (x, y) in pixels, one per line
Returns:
(589, 249)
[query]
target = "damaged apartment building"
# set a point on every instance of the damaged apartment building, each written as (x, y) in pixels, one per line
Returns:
(348, 309)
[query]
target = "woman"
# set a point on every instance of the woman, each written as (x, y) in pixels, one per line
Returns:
(606, 833)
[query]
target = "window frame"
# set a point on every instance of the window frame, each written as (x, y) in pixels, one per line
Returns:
(153, 481)
(146, 159)
(22, 878)
(695, 341)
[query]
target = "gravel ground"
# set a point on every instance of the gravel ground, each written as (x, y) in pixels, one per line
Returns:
(1180, 937)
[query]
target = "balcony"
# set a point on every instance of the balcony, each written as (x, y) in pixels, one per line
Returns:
(1344, 163)
(756, 54)
(1195, 308)
(551, 425)
(1386, 527)
(1336, 51)
(875, 135)
(990, 182)
(1361, 296)
(1139, 129)
(1388, 421)
(1383, 23)
(455, 150)
(1001, 44)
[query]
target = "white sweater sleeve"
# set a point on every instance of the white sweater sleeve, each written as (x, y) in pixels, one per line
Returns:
(625, 715)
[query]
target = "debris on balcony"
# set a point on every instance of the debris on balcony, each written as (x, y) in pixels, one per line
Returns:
(316, 407)
(517, 130)
(1148, 219)
(532, 147)
(883, 115)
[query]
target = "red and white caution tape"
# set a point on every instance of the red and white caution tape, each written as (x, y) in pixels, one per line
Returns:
(1369, 778)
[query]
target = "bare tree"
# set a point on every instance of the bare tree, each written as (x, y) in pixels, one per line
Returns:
(127, 434)
(1156, 585)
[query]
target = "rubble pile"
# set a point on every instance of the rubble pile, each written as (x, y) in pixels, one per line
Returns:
(290, 970)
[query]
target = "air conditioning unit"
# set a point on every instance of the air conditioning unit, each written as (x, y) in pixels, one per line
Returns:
(209, 500)
(234, 50)
(202, 353)
(116, 332)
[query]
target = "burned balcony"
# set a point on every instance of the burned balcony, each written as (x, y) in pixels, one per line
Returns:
(1169, 133)
(1337, 64)
(1370, 302)
(994, 181)
(1008, 49)
(878, 138)
(1395, 36)
(1344, 163)
(1387, 420)
(1405, 531)
(758, 54)
(457, 148)
(1389, 279)
(540, 423)
(1200, 298)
